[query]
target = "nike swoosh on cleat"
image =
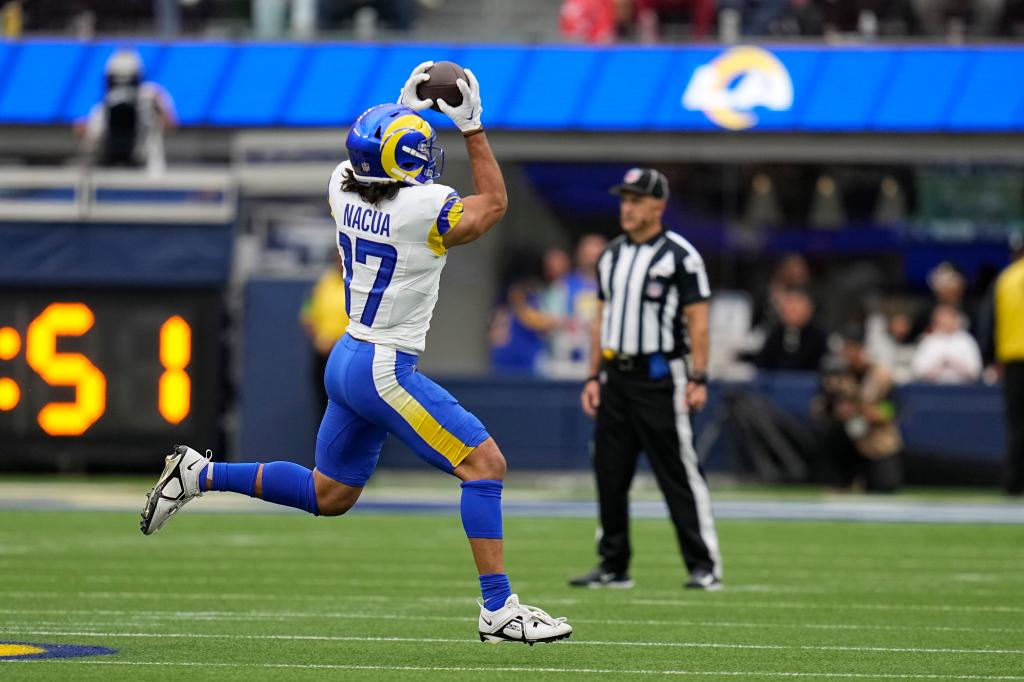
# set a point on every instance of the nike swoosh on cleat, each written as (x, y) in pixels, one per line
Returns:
(489, 624)
(189, 467)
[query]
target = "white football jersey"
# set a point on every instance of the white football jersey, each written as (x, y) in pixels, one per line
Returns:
(393, 254)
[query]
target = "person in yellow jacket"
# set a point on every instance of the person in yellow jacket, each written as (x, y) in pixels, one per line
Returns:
(1009, 316)
(325, 321)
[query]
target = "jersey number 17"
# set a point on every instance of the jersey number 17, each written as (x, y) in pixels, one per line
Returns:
(365, 248)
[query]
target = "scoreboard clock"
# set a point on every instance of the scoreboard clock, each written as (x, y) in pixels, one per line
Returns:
(107, 376)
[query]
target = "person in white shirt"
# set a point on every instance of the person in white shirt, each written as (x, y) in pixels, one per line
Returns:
(947, 354)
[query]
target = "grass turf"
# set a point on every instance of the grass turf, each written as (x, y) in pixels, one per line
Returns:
(374, 596)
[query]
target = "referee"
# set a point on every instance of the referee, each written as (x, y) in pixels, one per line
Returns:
(653, 310)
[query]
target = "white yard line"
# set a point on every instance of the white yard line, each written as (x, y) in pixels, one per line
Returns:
(247, 616)
(29, 497)
(535, 670)
(283, 551)
(714, 602)
(811, 605)
(443, 640)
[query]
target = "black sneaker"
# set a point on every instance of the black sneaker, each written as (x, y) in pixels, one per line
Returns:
(602, 578)
(702, 580)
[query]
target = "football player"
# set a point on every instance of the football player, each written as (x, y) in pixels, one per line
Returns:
(395, 225)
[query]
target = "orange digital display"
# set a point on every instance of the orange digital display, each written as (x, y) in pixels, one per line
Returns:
(175, 354)
(10, 394)
(66, 369)
(10, 343)
(69, 356)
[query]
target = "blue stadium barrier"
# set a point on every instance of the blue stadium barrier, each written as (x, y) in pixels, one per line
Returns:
(679, 88)
(279, 416)
(97, 254)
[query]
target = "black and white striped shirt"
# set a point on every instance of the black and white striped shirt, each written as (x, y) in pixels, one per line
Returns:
(644, 288)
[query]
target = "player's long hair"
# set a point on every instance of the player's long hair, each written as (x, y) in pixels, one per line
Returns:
(371, 194)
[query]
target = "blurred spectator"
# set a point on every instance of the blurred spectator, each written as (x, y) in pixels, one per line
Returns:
(269, 17)
(399, 15)
(795, 342)
(886, 339)
(126, 128)
(529, 302)
(827, 211)
(791, 272)
(557, 313)
(891, 204)
(899, 327)
(86, 18)
(758, 17)
(570, 303)
(955, 18)
(167, 15)
(1009, 319)
(947, 354)
(12, 19)
(602, 21)
(589, 21)
(948, 287)
(516, 346)
(861, 441)
(324, 318)
(869, 18)
(654, 17)
(762, 208)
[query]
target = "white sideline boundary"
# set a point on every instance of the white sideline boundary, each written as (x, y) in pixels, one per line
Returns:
(533, 670)
(449, 640)
(283, 616)
(36, 497)
(547, 599)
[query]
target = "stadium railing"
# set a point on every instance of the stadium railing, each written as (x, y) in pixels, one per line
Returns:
(117, 196)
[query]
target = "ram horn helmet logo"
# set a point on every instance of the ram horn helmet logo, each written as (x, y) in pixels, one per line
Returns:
(728, 88)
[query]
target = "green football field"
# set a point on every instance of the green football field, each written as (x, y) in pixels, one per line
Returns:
(375, 596)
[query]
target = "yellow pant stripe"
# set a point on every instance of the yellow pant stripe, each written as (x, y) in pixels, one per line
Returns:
(410, 409)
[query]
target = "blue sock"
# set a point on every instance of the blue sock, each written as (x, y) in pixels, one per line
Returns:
(481, 509)
(235, 478)
(481, 517)
(495, 589)
(283, 483)
(290, 484)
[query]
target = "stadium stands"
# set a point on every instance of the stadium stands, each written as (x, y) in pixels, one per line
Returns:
(260, 132)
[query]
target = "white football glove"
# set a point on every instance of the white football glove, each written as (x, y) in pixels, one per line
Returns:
(466, 116)
(408, 97)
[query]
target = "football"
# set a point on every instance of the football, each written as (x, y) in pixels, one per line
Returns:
(442, 84)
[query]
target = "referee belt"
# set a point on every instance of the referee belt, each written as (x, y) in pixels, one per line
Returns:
(652, 365)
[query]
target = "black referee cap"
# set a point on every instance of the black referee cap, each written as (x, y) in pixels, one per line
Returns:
(646, 181)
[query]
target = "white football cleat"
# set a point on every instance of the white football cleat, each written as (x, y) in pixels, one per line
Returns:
(178, 484)
(515, 622)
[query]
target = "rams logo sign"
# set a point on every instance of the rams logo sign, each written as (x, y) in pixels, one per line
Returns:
(732, 85)
(26, 651)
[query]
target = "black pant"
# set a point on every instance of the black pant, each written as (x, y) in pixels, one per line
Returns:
(1013, 388)
(640, 414)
